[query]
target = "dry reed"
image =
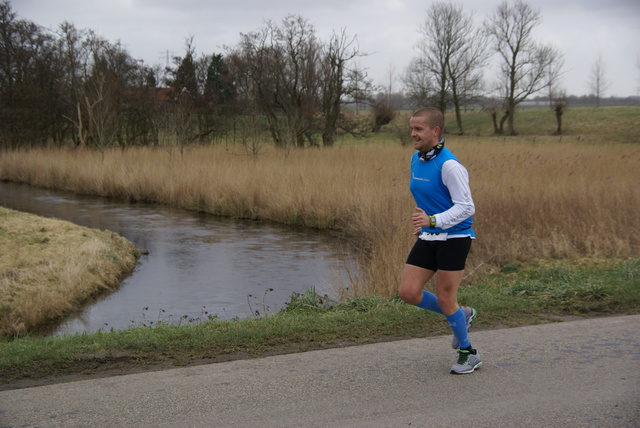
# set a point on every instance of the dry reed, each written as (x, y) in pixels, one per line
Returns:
(535, 200)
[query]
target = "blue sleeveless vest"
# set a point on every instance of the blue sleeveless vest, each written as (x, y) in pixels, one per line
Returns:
(430, 193)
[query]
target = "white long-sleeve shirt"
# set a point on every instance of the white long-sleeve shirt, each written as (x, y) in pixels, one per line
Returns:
(456, 178)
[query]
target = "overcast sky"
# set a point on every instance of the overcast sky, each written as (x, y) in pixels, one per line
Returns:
(386, 29)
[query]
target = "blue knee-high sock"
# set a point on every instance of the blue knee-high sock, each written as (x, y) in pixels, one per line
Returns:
(429, 302)
(458, 323)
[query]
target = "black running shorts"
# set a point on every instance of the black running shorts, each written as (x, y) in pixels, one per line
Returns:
(445, 255)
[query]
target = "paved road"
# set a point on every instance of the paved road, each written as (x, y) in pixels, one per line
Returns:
(573, 374)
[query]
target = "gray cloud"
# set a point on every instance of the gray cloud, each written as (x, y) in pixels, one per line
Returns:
(387, 29)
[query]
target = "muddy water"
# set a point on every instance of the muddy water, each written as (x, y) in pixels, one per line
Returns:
(196, 266)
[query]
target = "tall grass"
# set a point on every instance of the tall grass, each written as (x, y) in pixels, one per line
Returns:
(536, 197)
(547, 199)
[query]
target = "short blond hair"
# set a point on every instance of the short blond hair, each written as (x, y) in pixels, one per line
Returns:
(433, 116)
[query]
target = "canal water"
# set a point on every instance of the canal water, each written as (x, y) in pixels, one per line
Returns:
(197, 265)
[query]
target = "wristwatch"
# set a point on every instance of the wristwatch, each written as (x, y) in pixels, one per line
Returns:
(432, 221)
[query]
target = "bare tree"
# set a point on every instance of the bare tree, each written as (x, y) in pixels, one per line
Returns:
(468, 55)
(29, 95)
(66, 83)
(554, 72)
(279, 66)
(383, 113)
(525, 64)
(452, 53)
(360, 87)
(559, 105)
(382, 108)
(435, 49)
(74, 57)
(183, 120)
(111, 72)
(337, 54)
(419, 86)
(598, 82)
(298, 83)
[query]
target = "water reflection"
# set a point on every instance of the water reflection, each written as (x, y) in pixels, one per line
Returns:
(196, 263)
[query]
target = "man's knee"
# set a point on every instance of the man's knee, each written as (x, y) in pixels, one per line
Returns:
(410, 295)
(413, 280)
(448, 302)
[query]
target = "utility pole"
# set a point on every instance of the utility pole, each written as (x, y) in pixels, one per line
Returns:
(166, 55)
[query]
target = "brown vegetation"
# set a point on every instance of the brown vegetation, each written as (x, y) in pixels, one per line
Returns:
(535, 200)
(48, 267)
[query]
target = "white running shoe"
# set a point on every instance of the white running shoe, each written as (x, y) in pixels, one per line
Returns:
(468, 361)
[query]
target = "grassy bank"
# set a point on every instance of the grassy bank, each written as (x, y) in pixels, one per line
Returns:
(534, 294)
(557, 223)
(50, 267)
(536, 197)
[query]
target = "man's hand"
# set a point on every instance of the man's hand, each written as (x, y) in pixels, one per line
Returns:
(419, 219)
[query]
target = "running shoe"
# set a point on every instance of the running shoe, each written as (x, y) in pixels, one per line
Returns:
(471, 315)
(468, 361)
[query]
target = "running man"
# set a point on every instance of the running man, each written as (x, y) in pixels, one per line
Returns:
(442, 221)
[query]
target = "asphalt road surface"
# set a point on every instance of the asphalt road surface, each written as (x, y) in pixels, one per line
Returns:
(583, 373)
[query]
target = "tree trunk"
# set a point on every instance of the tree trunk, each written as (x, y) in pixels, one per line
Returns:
(502, 121)
(81, 140)
(331, 112)
(559, 119)
(511, 109)
(494, 117)
(559, 111)
(458, 116)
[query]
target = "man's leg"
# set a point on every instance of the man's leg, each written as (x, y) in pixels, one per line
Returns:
(447, 285)
(413, 281)
(470, 315)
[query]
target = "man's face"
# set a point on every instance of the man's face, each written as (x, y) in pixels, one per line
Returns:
(424, 137)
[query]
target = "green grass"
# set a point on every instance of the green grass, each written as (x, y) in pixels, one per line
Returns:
(603, 124)
(515, 296)
(560, 288)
